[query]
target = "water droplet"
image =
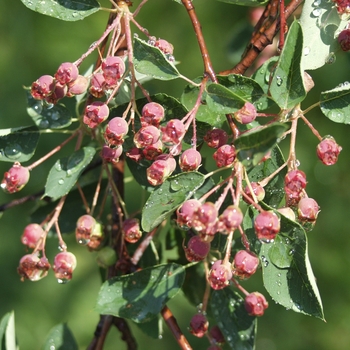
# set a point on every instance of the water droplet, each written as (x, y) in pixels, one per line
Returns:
(13, 152)
(331, 58)
(291, 252)
(62, 247)
(306, 50)
(317, 3)
(55, 116)
(62, 280)
(278, 293)
(160, 191)
(136, 35)
(279, 80)
(60, 181)
(160, 336)
(279, 274)
(44, 124)
(75, 14)
(52, 347)
(38, 107)
(58, 166)
(316, 12)
(175, 185)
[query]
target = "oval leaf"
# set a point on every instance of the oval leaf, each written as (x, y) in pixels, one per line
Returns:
(238, 328)
(7, 332)
(149, 60)
(287, 85)
(18, 144)
(66, 171)
(68, 10)
(60, 337)
(165, 199)
(335, 104)
(140, 296)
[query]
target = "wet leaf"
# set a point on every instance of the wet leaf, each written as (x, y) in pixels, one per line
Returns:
(140, 296)
(60, 337)
(8, 332)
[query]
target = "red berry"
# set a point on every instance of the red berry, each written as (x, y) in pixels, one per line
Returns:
(95, 114)
(217, 335)
(115, 131)
(230, 219)
(58, 93)
(111, 155)
(245, 264)
(113, 67)
(43, 87)
(258, 191)
(164, 46)
(343, 7)
(98, 85)
(151, 152)
(255, 304)
(294, 185)
(32, 267)
(204, 218)
(160, 169)
(328, 151)
(131, 230)
(66, 73)
(15, 179)
(135, 154)
(199, 325)
(308, 209)
(216, 138)
(64, 265)
(197, 249)
(147, 135)
(173, 132)
(78, 86)
(246, 114)
(32, 235)
(224, 155)
(190, 160)
(152, 114)
(85, 227)
(220, 275)
(185, 213)
(267, 225)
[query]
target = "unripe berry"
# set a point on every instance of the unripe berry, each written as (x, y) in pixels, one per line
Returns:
(216, 138)
(185, 213)
(308, 209)
(115, 131)
(160, 170)
(190, 160)
(246, 114)
(31, 235)
(64, 265)
(255, 304)
(224, 155)
(98, 85)
(95, 114)
(197, 249)
(230, 219)
(147, 135)
(220, 275)
(164, 46)
(131, 230)
(66, 73)
(111, 155)
(32, 267)
(258, 191)
(245, 264)
(328, 151)
(173, 132)
(152, 114)
(85, 227)
(344, 39)
(43, 87)
(113, 67)
(106, 257)
(15, 179)
(204, 218)
(267, 225)
(199, 325)
(78, 86)
(294, 185)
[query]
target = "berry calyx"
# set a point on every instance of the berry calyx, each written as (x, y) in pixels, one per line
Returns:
(115, 131)
(64, 265)
(220, 275)
(84, 230)
(255, 304)
(204, 218)
(32, 235)
(111, 155)
(190, 160)
(43, 87)
(199, 325)
(245, 264)
(224, 155)
(328, 151)
(32, 267)
(131, 230)
(66, 73)
(267, 226)
(95, 114)
(15, 178)
(230, 219)
(173, 132)
(113, 67)
(308, 209)
(216, 138)
(196, 249)
(152, 114)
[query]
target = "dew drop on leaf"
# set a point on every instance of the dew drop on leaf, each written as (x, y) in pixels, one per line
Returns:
(13, 152)
(279, 80)
(331, 58)
(316, 12)
(60, 181)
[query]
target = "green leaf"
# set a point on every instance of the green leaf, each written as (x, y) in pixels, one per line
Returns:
(321, 25)
(238, 328)
(335, 104)
(195, 284)
(66, 171)
(274, 190)
(165, 199)
(18, 144)
(7, 332)
(140, 296)
(287, 85)
(68, 10)
(152, 328)
(60, 337)
(253, 145)
(46, 116)
(249, 3)
(149, 60)
(287, 273)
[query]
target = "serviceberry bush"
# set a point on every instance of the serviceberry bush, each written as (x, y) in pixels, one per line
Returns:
(219, 190)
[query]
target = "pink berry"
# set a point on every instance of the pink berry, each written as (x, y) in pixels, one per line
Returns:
(151, 152)
(220, 275)
(294, 185)
(204, 218)
(116, 130)
(43, 87)
(185, 213)
(217, 335)
(131, 230)
(246, 114)
(255, 304)
(58, 93)
(160, 170)
(216, 138)
(245, 264)
(32, 267)
(190, 160)
(147, 135)
(113, 67)
(84, 229)
(164, 46)
(15, 178)
(308, 209)
(230, 219)
(328, 151)
(152, 114)
(98, 85)
(78, 86)
(64, 265)
(95, 114)
(224, 155)
(111, 155)
(267, 225)
(199, 325)
(197, 249)
(66, 73)
(258, 191)
(135, 154)
(344, 39)
(32, 235)
(173, 132)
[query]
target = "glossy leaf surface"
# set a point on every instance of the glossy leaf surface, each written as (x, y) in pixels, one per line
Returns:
(60, 337)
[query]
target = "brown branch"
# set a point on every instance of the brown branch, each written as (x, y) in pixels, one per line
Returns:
(124, 329)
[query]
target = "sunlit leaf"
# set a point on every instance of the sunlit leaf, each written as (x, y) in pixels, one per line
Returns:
(60, 337)
(7, 332)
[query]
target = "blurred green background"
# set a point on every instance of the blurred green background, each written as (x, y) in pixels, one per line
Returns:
(32, 45)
